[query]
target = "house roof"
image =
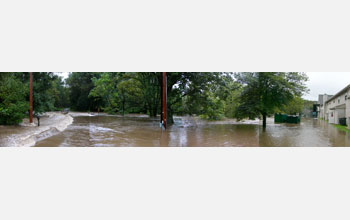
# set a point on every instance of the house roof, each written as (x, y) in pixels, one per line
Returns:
(339, 93)
(321, 98)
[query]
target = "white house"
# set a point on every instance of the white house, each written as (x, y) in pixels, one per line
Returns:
(338, 107)
(322, 99)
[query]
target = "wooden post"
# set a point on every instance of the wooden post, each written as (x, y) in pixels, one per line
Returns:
(31, 98)
(161, 98)
(164, 100)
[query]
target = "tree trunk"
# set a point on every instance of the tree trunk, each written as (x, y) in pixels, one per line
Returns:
(123, 107)
(155, 110)
(152, 112)
(170, 118)
(150, 109)
(264, 120)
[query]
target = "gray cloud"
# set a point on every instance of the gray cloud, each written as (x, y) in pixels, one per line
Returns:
(326, 83)
(63, 74)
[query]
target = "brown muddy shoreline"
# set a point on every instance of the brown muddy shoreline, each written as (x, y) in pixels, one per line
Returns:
(26, 134)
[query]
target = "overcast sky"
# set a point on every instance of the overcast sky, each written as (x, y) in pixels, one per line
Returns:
(319, 83)
(64, 74)
(326, 83)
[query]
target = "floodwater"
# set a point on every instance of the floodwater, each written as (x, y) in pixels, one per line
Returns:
(27, 134)
(310, 133)
(111, 131)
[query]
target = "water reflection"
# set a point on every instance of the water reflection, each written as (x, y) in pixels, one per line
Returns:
(108, 131)
(310, 132)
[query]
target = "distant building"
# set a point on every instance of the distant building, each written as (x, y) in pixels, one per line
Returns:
(309, 109)
(322, 99)
(337, 108)
(315, 110)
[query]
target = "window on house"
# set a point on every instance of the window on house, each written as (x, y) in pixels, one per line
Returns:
(346, 97)
(338, 100)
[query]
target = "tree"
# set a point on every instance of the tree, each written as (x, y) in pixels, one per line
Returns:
(308, 106)
(294, 107)
(43, 99)
(265, 92)
(117, 92)
(197, 93)
(192, 87)
(129, 95)
(212, 107)
(210, 95)
(149, 84)
(80, 84)
(214, 100)
(104, 92)
(232, 99)
(49, 93)
(60, 93)
(13, 105)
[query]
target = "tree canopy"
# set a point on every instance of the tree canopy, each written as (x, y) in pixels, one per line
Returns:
(264, 93)
(49, 94)
(13, 104)
(209, 95)
(80, 84)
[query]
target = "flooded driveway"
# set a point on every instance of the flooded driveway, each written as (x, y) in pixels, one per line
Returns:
(111, 131)
(310, 132)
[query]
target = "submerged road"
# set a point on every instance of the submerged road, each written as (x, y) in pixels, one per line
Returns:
(112, 131)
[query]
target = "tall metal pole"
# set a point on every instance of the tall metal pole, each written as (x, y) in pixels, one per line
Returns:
(31, 98)
(164, 99)
(161, 98)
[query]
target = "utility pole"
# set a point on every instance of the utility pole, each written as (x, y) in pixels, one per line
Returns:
(164, 100)
(31, 98)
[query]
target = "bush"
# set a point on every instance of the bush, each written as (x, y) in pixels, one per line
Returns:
(13, 106)
(213, 109)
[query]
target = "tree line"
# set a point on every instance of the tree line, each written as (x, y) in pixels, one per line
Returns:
(210, 95)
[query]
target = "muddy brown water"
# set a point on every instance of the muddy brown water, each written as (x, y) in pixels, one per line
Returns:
(109, 131)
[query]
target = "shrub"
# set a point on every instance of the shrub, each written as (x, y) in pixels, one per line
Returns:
(13, 106)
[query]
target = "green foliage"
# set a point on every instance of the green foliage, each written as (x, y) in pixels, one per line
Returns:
(13, 106)
(341, 127)
(212, 95)
(295, 106)
(196, 92)
(264, 93)
(188, 93)
(104, 92)
(149, 90)
(42, 99)
(60, 93)
(117, 92)
(308, 105)
(213, 108)
(129, 94)
(49, 93)
(47, 87)
(231, 103)
(80, 84)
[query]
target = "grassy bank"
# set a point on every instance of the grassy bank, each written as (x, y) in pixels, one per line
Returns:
(323, 119)
(342, 128)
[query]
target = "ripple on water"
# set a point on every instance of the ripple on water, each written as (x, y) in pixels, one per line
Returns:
(104, 131)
